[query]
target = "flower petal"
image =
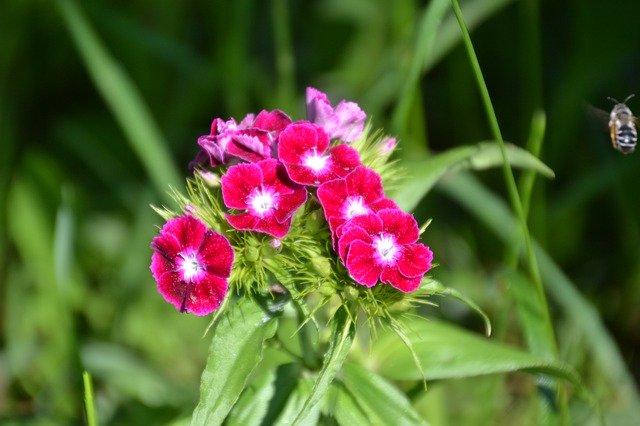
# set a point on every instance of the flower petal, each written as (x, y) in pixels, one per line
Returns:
(238, 183)
(298, 139)
(347, 122)
(415, 260)
(206, 295)
(344, 159)
(269, 225)
(352, 234)
(402, 225)
(289, 203)
(366, 183)
(332, 195)
(251, 145)
(360, 264)
(393, 277)
(216, 254)
(170, 287)
(242, 221)
(273, 122)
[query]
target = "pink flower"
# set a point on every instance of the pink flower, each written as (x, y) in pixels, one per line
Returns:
(191, 265)
(382, 247)
(303, 151)
(265, 194)
(359, 193)
(252, 140)
(257, 141)
(214, 145)
(345, 122)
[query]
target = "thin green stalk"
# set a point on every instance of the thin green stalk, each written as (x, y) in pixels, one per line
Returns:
(512, 189)
(285, 65)
(88, 399)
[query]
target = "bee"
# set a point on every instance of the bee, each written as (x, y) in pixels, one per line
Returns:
(622, 126)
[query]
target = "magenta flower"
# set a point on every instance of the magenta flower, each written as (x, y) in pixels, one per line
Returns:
(265, 194)
(191, 265)
(258, 140)
(303, 151)
(252, 140)
(383, 247)
(344, 122)
(359, 193)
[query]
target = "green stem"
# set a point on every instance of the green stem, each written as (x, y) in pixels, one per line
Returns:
(88, 399)
(532, 264)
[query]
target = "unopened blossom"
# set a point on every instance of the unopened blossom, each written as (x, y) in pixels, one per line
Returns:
(191, 265)
(358, 193)
(344, 122)
(263, 195)
(383, 247)
(304, 150)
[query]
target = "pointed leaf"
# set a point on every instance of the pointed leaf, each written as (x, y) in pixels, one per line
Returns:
(235, 351)
(341, 340)
(447, 351)
(425, 174)
(342, 406)
(382, 401)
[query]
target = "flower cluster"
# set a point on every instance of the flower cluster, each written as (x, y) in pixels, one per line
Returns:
(273, 170)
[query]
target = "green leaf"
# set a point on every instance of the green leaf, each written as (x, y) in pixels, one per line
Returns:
(493, 212)
(342, 405)
(236, 349)
(294, 411)
(438, 289)
(382, 401)
(425, 174)
(447, 351)
(341, 340)
(123, 98)
(254, 402)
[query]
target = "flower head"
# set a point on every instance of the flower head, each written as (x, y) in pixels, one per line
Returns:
(258, 140)
(383, 247)
(191, 265)
(303, 151)
(265, 195)
(253, 139)
(344, 122)
(359, 193)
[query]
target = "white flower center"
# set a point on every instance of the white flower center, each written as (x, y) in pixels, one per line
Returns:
(315, 161)
(262, 201)
(190, 266)
(386, 248)
(354, 206)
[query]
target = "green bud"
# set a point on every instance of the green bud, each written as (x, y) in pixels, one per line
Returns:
(321, 265)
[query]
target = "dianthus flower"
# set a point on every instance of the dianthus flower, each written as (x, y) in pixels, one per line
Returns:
(265, 194)
(383, 247)
(344, 122)
(191, 265)
(303, 151)
(252, 140)
(358, 193)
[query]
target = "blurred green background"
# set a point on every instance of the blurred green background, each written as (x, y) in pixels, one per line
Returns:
(100, 107)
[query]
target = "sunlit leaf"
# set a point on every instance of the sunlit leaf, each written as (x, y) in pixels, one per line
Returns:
(339, 345)
(423, 175)
(447, 351)
(235, 351)
(383, 403)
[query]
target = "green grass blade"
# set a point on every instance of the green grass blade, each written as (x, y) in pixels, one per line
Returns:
(123, 99)
(88, 400)
(427, 31)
